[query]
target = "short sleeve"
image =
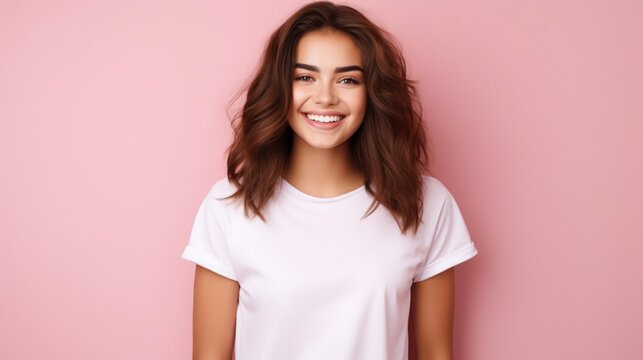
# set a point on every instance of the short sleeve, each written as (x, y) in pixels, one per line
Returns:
(207, 244)
(450, 244)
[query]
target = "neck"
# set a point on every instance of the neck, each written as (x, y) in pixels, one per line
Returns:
(322, 172)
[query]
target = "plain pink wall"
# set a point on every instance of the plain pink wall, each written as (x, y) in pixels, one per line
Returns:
(113, 128)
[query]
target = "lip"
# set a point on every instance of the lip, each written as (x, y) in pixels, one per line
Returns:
(323, 113)
(323, 126)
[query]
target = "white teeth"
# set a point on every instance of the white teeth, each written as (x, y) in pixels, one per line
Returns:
(321, 118)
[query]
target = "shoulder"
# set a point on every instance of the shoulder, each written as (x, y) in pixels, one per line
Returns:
(438, 200)
(218, 198)
(221, 188)
(434, 190)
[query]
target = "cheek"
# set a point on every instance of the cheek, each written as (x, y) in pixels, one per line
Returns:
(298, 96)
(358, 103)
(297, 101)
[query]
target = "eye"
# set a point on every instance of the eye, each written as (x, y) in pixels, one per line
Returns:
(304, 78)
(348, 81)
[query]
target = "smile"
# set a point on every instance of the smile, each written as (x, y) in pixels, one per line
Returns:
(324, 122)
(325, 119)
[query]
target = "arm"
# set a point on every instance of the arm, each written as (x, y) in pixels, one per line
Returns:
(432, 303)
(214, 319)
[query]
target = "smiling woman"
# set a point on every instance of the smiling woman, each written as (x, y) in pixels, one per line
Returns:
(326, 238)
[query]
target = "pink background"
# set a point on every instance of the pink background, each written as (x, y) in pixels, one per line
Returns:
(113, 128)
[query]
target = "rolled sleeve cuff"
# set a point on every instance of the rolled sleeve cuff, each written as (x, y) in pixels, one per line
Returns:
(446, 262)
(209, 262)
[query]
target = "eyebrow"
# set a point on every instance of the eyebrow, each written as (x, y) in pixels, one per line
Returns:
(337, 70)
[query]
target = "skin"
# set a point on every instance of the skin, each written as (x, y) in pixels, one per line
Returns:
(214, 316)
(432, 308)
(320, 165)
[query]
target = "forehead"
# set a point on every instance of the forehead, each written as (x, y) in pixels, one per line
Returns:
(327, 48)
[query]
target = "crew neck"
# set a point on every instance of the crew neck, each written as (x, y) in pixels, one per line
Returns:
(290, 189)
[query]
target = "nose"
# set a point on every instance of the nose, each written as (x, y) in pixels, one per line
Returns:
(325, 94)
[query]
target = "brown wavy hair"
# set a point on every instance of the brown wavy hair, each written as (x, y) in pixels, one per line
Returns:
(389, 148)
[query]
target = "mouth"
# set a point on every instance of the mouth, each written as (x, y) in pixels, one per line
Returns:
(324, 118)
(324, 122)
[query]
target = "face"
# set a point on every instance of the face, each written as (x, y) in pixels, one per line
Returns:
(328, 92)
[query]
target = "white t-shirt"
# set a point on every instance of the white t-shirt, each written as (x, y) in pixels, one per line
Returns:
(318, 282)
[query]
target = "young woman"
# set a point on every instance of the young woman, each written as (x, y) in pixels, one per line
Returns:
(326, 238)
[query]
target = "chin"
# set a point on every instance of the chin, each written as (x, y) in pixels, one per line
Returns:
(322, 146)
